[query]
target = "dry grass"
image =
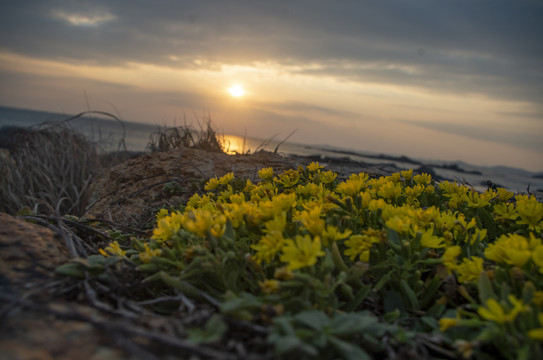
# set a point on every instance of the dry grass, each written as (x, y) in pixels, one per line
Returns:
(48, 170)
(204, 138)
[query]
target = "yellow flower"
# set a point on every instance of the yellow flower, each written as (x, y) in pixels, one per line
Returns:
(450, 256)
(395, 178)
(413, 193)
(311, 220)
(301, 252)
(249, 186)
(423, 179)
(503, 194)
(225, 180)
(430, 189)
(530, 211)
(283, 273)
(332, 234)
(113, 249)
(289, 178)
(269, 286)
(494, 311)
(537, 334)
(512, 249)
(407, 174)
(450, 189)
(314, 167)
(234, 212)
(505, 211)
(327, 177)
(390, 191)
(271, 243)
(360, 245)
(478, 200)
(218, 226)
(478, 234)
(195, 200)
(161, 214)
(277, 224)
(447, 323)
(265, 173)
(198, 222)
(429, 240)
(268, 246)
(167, 227)
(538, 298)
(148, 254)
(212, 184)
(398, 224)
(518, 306)
(353, 185)
(470, 269)
(537, 258)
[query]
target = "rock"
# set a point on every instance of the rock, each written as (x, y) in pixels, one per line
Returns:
(28, 258)
(133, 191)
(30, 253)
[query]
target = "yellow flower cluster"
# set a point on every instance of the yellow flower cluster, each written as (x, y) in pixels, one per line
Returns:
(402, 228)
(300, 201)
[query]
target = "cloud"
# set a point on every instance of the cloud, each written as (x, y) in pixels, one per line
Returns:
(81, 19)
(485, 47)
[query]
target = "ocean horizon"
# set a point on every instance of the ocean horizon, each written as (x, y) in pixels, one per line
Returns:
(111, 134)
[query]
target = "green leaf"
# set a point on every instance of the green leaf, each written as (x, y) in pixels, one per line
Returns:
(392, 316)
(242, 302)
(383, 281)
(182, 286)
(213, 331)
(313, 319)
(229, 232)
(349, 351)
(394, 240)
(409, 294)
(359, 297)
(392, 301)
(430, 292)
(292, 344)
(485, 288)
(71, 269)
(351, 324)
(337, 258)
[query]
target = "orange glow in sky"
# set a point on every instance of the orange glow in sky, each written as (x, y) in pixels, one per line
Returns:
(236, 91)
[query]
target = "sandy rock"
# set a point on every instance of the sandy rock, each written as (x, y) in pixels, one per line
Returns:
(28, 258)
(134, 190)
(30, 253)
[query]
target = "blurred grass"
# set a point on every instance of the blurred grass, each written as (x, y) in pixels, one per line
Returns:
(203, 138)
(50, 168)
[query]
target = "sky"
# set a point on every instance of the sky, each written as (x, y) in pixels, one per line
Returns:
(430, 79)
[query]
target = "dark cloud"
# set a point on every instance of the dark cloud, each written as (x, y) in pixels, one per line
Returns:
(490, 47)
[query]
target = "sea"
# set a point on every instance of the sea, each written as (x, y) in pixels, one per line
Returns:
(114, 134)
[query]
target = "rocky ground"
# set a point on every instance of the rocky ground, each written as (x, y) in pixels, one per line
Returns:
(43, 316)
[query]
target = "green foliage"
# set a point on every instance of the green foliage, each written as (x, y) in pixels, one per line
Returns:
(334, 268)
(213, 331)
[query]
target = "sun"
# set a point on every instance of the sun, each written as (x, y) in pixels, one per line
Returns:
(236, 91)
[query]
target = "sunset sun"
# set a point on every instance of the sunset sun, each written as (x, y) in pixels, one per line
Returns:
(236, 91)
